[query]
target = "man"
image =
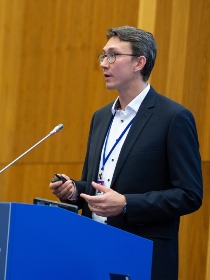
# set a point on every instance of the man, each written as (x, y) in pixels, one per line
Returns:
(142, 169)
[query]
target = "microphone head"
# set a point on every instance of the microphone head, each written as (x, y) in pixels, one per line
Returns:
(57, 128)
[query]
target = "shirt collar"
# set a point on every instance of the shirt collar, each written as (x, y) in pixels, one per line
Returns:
(134, 104)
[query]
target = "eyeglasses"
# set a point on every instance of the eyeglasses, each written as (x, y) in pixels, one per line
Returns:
(111, 57)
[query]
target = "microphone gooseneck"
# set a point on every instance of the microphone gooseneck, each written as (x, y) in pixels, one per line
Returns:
(56, 129)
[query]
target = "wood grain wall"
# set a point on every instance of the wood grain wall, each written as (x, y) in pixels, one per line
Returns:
(49, 74)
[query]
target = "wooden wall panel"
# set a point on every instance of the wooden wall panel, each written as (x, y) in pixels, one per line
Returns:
(23, 182)
(52, 72)
(194, 238)
(49, 74)
(182, 71)
(197, 71)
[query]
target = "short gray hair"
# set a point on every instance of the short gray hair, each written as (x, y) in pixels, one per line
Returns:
(142, 43)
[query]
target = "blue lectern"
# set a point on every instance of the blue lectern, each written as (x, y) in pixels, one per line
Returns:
(46, 242)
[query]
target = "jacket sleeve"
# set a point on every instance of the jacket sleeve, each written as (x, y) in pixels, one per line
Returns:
(184, 194)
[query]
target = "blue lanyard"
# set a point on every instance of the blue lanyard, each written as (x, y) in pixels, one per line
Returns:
(105, 158)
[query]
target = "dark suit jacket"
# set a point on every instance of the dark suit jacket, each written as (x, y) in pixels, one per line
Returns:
(158, 171)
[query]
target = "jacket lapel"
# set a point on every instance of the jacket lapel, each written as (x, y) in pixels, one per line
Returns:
(142, 117)
(101, 134)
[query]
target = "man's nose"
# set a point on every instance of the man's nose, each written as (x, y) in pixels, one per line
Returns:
(105, 63)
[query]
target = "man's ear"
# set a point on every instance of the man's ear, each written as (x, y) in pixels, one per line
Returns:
(140, 63)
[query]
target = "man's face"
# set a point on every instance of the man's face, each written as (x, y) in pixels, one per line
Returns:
(120, 74)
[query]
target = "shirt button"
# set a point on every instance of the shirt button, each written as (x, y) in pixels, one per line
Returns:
(122, 121)
(112, 159)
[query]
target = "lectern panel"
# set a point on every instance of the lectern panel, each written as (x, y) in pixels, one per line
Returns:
(48, 242)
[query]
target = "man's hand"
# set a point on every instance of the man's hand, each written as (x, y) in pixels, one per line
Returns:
(107, 205)
(63, 190)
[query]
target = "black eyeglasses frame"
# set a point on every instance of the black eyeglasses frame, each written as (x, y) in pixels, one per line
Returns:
(113, 55)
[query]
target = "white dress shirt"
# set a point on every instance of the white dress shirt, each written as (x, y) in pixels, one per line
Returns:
(120, 121)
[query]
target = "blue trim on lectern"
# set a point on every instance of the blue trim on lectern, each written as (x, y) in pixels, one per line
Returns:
(4, 237)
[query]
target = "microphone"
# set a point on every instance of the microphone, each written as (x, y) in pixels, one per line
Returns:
(56, 129)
